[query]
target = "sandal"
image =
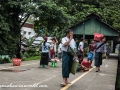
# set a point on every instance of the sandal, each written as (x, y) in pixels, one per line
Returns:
(63, 85)
(91, 67)
(68, 82)
(47, 67)
(97, 69)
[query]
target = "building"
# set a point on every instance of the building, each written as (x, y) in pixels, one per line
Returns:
(39, 39)
(28, 30)
(93, 24)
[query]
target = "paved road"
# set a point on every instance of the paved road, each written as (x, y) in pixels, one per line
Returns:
(50, 79)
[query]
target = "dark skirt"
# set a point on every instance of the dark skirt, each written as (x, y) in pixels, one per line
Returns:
(44, 59)
(98, 59)
(66, 64)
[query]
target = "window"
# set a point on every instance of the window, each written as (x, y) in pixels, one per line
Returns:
(29, 33)
(24, 32)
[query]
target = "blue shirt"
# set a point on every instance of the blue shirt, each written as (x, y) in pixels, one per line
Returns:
(45, 48)
(76, 47)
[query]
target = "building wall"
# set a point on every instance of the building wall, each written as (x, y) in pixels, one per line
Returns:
(28, 30)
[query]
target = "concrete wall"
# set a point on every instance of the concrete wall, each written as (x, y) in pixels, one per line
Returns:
(27, 32)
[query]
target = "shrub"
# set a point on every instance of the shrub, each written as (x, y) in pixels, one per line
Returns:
(31, 51)
(33, 58)
(37, 53)
(26, 55)
(5, 60)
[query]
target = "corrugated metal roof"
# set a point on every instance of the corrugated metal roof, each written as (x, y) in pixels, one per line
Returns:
(88, 27)
(39, 39)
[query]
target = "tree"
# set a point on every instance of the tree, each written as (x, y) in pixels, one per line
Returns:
(51, 17)
(54, 16)
(12, 13)
(58, 15)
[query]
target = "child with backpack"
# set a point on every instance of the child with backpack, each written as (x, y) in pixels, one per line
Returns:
(91, 49)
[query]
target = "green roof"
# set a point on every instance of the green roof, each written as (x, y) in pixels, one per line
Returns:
(93, 24)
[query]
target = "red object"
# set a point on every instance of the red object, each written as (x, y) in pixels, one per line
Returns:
(98, 37)
(86, 63)
(16, 61)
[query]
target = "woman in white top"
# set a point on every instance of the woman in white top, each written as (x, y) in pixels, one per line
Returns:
(67, 59)
(81, 49)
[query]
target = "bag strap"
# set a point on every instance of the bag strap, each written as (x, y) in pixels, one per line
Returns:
(99, 46)
(71, 48)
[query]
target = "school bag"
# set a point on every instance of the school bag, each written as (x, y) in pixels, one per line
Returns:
(90, 55)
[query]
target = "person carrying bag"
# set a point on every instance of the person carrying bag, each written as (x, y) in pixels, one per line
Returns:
(100, 49)
(68, 46)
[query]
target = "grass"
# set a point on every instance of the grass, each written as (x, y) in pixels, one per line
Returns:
(33, 58)
(26, 59)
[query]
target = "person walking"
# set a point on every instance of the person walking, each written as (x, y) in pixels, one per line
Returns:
(45, 53)
(67, 59)
(100, 49)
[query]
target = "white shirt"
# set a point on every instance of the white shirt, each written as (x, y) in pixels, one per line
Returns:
(66, 39)
(54, 47)
(60, 48)
(81, 46)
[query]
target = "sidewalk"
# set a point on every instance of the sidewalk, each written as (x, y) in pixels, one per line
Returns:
(52, 77)
(103, 80)
(10, 65)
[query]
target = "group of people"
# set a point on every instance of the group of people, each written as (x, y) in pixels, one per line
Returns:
(95, 50)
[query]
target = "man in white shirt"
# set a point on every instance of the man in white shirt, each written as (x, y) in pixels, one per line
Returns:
(81, 46)
(81, 49)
